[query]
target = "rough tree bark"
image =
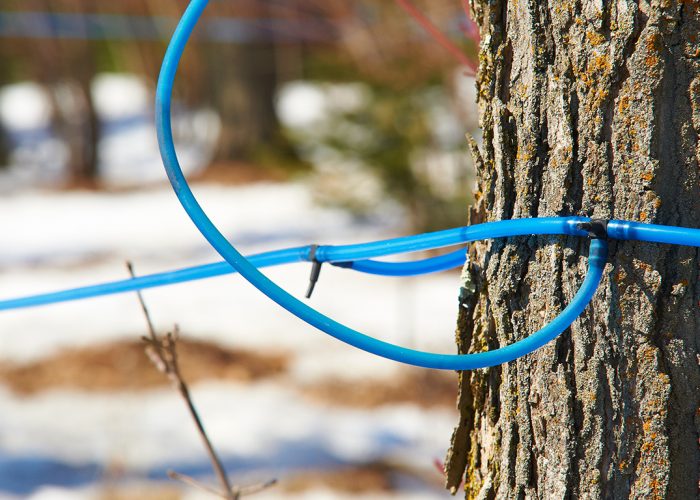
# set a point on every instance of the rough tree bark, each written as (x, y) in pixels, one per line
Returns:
(588, 107)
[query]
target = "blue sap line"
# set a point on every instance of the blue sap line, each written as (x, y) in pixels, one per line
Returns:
(597, 257)
(266, 259)
(347, 255)
(570, 226)
(359, 256)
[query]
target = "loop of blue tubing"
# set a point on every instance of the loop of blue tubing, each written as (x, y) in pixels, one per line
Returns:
(357, 257)
(596, 262)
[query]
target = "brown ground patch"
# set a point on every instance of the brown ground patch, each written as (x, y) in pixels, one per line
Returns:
(124, 366)
(357, 479)
(426, 388)
(237, 173)
(373, 477)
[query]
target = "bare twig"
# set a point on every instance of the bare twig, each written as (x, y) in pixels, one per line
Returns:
(245, 491)
(194, 483)
(240, 491)
(163, 353)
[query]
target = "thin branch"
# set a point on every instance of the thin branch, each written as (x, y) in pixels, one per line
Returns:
(256, 488)
(164, 354)
(147, 315)
(190, 481)
(437, 35)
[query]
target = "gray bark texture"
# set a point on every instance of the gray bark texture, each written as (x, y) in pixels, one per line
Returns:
(588, 107)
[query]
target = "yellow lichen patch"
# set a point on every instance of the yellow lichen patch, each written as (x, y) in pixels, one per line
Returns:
(648, 353)
(598, 67)
(652, 61)
(656, 487)
(654, 43)
(643, 216)
(623, 104)
(525, 154)
(647, 176)
(594, 38)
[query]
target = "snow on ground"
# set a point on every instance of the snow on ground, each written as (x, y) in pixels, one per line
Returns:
(48, 235)
(68, 444)
(59, 240)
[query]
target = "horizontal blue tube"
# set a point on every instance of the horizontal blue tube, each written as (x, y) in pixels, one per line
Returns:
(455, 236)
(414, 268)
(266, 259)
(655, 233)
(152, 280)
(617, 229)
(303, 311)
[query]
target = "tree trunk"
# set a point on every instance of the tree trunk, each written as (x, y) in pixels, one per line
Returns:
(4, 147)
(591, 108)
(67, 68)
(77, 123)
(243, 93)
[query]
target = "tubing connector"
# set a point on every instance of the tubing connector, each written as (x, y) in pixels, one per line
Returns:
(315, 270)
(596, 228)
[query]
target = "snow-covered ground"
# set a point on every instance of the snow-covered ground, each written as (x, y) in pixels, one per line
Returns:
(65, 443)
(57, 240)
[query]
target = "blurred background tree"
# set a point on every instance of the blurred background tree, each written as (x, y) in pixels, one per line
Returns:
(242, 58)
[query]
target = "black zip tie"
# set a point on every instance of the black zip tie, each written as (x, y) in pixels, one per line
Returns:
(315, 270)
(596, 228)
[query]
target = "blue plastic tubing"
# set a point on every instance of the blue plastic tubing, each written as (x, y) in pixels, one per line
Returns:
(267, 259)
(358, 257)
(617, 229)
(597, 252)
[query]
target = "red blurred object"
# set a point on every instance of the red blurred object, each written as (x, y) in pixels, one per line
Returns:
(437, 35)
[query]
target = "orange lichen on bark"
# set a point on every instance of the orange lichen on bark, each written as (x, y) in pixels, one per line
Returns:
(594, 38)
